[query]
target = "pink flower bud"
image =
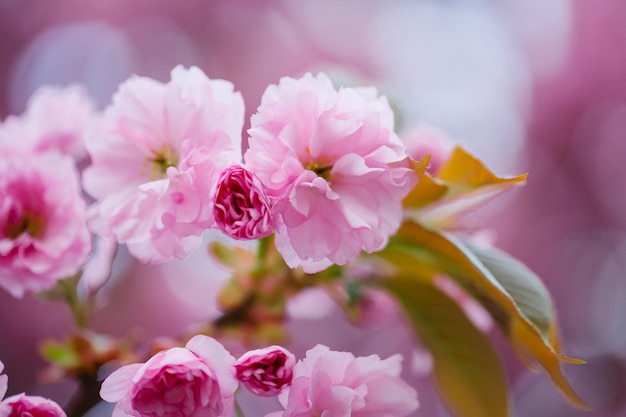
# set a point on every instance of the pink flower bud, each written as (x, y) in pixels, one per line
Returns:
(241, 209)
(265, 372)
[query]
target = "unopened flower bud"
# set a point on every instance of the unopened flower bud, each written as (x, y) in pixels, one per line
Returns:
(265, 372)
(241, 209)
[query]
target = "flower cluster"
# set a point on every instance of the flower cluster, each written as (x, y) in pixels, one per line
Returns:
(323, 178)
(324, 170)
(200, 380)
(324, 173)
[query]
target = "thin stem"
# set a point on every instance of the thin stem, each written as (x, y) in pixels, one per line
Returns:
(238, 410)
(262, 252)
(79, 310)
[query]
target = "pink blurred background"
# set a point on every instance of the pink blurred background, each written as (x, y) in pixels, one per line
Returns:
(526, 85)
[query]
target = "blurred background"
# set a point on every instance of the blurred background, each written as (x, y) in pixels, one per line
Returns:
(526, 85)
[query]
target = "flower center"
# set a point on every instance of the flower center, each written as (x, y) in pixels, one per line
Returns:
(321, 170)
(321, 167)
(162, 160)
(29, 222)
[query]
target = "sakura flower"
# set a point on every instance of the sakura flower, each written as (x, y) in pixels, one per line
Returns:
(266, 372)
(157, 158)
(63, 117)
(17, 138)
(333, 168)
(23, 405)
(197, 380)
(56, 119)
(241, 208)
(43, 227)
(338, 384)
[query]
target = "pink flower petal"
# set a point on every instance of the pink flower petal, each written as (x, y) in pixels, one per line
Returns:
(220, 359)
(117, 385)
(3, 384)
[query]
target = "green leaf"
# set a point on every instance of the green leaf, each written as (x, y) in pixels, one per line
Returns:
(446, 254)
(522, 284)
(467, 370)
(59, 354)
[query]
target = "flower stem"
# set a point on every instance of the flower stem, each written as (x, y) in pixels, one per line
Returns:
(238, 410)
(87, 396)
(67, 291)
(262, 252)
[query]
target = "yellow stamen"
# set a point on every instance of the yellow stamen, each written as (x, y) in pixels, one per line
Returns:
(162, 160)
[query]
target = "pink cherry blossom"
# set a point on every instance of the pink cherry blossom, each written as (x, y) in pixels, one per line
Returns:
(266, 372)
(56, 119)
(197, 381)
(22, 405)
(157, 157)
(63, 117)
(333, 168)
(338, 384)
(43, 227)
(241, 209)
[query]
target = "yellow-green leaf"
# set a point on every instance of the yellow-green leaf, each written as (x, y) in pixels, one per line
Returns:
(467, 370)
(464, 171)
(59, 354)
(449, 255)
(525, 288)
(427, 190)
(462, 184)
